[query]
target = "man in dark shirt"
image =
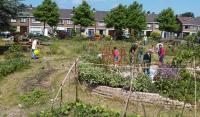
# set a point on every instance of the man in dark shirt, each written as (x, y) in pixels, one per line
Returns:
(147, 62)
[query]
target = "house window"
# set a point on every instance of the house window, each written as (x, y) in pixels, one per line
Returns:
(13, 20)
(22, 20)
(35, 21)
(186, 27)
(61, 21)
(157, 26)
(148, 25)
(101, 23)
(69, 22)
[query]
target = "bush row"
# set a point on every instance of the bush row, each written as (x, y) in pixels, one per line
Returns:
(80, 109)
(181, 89)
(95, 76)
(9, 66)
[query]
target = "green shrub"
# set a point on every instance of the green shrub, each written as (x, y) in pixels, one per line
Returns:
(190, 38)
(108, 38)
(15, 51)
(35, 97)
(9, 66)
(100, 76)
(181, 89)
(80, 109)
(155, 35)
(143, 83)
(54, 48)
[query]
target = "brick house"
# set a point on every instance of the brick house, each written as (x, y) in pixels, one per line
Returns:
(26, 22)
(189, 25)
(152, 25)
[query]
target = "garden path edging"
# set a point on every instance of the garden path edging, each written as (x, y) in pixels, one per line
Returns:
(151, 98)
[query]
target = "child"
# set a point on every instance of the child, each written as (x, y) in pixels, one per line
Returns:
(116, 55)
(161, 54)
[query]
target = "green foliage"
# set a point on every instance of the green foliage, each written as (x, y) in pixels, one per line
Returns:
(35, 97)
(83, 15)
(167, 21)
(47, 12)
(15, 51)
(143, 83)
(54, 48)
(99, 76)
(155, 35)
(117, 18)
(136, 18)
(9, 9)
(198, 34)
(108, 38)
(190, 38)
(80, 109)
(187, 14)
(9, 66)
(181, 89)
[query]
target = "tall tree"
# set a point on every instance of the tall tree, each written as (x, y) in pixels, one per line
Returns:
(187, 14)
(136, 18)
(48, 13)
(83, 15)
(8, 10)
(167, 21)
(117, 18)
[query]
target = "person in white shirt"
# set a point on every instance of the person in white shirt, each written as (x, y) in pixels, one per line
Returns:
(157, 46)
(34, 46)
(145, 40)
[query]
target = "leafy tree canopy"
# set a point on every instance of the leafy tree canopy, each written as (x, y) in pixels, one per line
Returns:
(136, 18)
(83, 15)
(8, 10)
(116, 18)
(47, 12)
(167, 20)
(188, 14)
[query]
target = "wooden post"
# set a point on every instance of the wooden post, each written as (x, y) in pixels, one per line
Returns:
(129, 93)
(61, 96)
(76, 81)
(195, 106)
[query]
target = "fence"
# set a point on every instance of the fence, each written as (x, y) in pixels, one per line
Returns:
(128, 99)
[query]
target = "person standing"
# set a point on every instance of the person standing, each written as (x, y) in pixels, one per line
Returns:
(140, 54)
(161, 54)
(147, 62)
(145, 40)
(116, 55)
(34, 47)
(157, 46)
(131, 54)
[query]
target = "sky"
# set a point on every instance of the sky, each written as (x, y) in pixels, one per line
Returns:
(179, 6)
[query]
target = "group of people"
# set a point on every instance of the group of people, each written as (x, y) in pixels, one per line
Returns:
(146, 58)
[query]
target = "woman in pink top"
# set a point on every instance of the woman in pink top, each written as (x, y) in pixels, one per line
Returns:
(161, 53)
(116, 55)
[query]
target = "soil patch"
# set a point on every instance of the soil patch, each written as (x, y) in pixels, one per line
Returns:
(39, 80)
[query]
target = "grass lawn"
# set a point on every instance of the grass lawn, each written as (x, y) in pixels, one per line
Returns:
(47, 72)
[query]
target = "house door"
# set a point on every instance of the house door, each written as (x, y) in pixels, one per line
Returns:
(23, 29)
(90, 32)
